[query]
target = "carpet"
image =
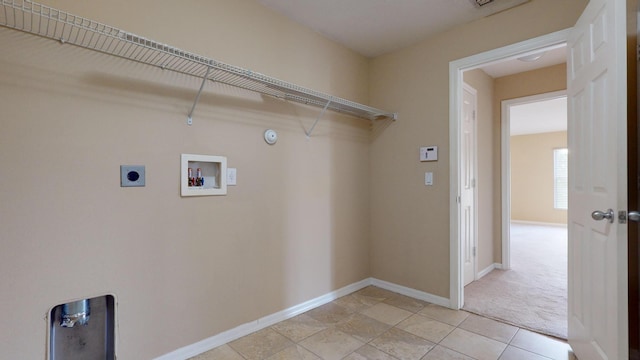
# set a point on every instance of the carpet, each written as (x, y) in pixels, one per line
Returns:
(533, 294)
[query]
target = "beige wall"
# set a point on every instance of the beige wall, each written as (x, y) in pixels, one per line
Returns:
(532, 177)
(304, 214)
(488, 170)
(410, 222)
(540, 81)
(297, 226)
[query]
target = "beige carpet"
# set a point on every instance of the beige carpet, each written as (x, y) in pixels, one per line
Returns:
(533, 294)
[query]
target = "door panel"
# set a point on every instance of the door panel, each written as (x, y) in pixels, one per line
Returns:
(597, 181)
(468, 171)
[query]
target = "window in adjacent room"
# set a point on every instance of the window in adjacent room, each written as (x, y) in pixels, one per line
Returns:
(560, 178)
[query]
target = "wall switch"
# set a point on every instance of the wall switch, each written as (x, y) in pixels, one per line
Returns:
(232, 176)
(132, 175)
(429, 153)
(428, 178)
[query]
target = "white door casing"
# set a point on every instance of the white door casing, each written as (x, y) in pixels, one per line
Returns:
(468, 183)
(456, 69)
(597, 119)
(505, 165)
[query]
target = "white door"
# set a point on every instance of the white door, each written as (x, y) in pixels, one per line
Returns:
(467, 176)
(597, 181)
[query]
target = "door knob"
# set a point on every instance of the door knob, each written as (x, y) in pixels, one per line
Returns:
(633, 216)
(599, 215)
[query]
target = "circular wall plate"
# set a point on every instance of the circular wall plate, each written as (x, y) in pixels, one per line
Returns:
(270, 136)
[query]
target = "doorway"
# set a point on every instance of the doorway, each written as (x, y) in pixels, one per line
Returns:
(531, 290)
(597, 89)
(529, 47)
(527, 118)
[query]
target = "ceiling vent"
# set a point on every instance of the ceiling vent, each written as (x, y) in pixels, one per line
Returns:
(481, 3)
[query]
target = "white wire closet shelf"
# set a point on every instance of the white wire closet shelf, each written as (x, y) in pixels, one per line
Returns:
(55, 24)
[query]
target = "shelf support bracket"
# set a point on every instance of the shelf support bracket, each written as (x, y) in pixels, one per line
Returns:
(324, 109)
(204, 80)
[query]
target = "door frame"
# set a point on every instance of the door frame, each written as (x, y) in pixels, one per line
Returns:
(456, 68)
(505, 165)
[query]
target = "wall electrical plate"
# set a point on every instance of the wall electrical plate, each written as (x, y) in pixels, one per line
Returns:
(428, 178)
(132, 175)
(429, 153)
(232, 176)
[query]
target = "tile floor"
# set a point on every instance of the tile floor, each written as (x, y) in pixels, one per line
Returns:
(377, 324)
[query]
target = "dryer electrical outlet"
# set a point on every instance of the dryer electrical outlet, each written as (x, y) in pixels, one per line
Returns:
(132, 175)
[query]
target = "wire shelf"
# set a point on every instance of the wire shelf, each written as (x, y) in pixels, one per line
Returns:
(58, 25)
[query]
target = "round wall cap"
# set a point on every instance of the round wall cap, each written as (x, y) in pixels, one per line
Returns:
(270, 136)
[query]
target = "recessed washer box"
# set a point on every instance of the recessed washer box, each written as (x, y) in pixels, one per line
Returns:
(132, 175)
(212, 179)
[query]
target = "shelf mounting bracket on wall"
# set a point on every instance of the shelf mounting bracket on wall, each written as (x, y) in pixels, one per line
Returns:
(51, 23)
(324, 109)
(204, 80)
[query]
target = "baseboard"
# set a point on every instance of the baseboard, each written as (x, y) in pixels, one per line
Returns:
(526, 222)
(416, 294)
(253, 326)
(487, 270)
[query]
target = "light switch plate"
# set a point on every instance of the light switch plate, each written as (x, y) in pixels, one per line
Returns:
(232, 176)
(132, 175)
(428, 178)
(429, 153)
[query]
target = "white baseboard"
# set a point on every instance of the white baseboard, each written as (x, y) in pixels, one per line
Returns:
(488, 269)
(253, 326)
(526, 222)
(416, 294)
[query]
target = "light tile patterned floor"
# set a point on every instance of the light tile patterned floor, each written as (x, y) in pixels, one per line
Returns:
(377, 324)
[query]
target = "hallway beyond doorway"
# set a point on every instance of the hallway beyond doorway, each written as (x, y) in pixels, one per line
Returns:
(533, 294)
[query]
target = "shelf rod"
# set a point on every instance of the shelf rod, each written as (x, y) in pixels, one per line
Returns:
(317, 119)
(204, 80)
(51, 23)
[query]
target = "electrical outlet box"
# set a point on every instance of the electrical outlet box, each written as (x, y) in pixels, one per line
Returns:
(428, 178)
(232, 176)
(132, 175)
(429, 153)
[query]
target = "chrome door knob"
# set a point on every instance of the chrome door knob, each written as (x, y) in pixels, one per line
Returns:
(633, 216)
(600, 215)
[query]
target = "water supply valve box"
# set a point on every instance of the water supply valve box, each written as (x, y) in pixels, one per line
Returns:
(203, 175)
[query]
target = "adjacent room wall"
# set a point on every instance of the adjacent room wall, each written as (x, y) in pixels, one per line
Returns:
(487, 174)
(532, 177)
(296, 226)
(410, 222)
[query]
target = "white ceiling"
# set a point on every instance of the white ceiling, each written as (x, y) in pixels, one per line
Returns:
(539, 117)
(376, 27)
(554, 56)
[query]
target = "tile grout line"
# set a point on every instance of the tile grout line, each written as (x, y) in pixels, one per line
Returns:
(408, 309)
